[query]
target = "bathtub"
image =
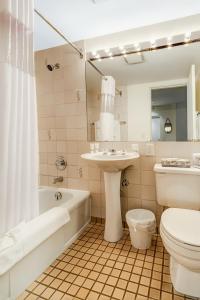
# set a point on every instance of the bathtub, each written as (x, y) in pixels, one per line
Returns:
(64, 213)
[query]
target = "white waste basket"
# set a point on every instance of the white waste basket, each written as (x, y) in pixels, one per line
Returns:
(142, 224)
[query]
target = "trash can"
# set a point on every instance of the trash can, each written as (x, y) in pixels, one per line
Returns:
(142, 224)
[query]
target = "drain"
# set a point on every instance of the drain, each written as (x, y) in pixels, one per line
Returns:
(58, 196)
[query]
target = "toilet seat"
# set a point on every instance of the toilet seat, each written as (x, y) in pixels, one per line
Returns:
(182, 226)
(179, 237)
(178, 242)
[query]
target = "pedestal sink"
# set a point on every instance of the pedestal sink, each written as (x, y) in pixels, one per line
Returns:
(112, 164)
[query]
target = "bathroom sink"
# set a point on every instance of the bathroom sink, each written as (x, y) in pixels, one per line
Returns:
(112, 164)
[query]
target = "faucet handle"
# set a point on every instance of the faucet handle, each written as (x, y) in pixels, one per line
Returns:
(60, 163)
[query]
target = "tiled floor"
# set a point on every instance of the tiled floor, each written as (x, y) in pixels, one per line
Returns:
(95, 269)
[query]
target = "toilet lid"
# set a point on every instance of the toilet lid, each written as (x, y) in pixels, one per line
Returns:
(183, 225)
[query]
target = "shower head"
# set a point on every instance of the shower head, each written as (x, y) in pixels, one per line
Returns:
(50, 67)
(53, 67)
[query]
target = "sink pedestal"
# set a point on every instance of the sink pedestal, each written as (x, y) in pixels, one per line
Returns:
(112, 164)
(113, 223)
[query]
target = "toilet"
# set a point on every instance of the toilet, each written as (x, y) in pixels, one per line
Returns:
(179, 190)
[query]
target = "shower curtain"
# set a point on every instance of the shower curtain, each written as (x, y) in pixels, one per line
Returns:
(18, 115)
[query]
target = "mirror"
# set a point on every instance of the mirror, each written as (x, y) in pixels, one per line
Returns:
(158, 95)
(169, 114)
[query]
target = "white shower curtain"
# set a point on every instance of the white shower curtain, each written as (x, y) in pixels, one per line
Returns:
(18, 115)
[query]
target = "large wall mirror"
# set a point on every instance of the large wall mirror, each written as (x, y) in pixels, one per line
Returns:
(156, 97)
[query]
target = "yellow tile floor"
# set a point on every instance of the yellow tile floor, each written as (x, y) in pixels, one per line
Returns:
(95, 269)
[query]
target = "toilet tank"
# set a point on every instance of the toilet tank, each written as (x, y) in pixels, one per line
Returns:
(178, 187)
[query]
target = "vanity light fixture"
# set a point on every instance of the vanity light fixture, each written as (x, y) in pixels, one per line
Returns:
(154, 45)
(168, 126)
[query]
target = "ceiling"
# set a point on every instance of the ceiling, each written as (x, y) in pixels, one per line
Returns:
(160, 65)
(82, 19)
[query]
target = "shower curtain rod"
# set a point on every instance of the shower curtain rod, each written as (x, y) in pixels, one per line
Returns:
(97, 69)
(56, 30)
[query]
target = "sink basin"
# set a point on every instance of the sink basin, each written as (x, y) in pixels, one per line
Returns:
(112, 164)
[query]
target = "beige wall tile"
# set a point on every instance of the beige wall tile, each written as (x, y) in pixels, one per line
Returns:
(148, 192)
(133, 203)
(134, 176)
(134, 190)
(148, 178)
(147, 163)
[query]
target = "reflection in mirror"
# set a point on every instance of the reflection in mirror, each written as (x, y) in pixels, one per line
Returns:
(169, 114)
(107, 118)
(159, 99)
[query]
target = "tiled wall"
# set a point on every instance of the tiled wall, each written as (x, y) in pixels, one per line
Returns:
(62, 114)
(63, 131)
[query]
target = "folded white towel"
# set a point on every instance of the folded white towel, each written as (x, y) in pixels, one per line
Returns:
(24, 238)
(11, 237)
(175, 162)
(42, 227)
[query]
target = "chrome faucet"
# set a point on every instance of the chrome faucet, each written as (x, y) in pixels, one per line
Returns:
(58, 179)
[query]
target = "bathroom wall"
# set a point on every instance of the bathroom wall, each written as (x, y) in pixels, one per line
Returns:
(63, 131)
(62, 115)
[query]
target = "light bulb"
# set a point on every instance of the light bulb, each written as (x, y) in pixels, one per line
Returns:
(153, 44)
(187, 37)
(169, 42)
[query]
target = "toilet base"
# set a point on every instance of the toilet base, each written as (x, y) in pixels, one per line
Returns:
(184, 280)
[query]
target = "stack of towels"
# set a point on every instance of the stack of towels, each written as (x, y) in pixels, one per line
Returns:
(175, 162)
(196, 160)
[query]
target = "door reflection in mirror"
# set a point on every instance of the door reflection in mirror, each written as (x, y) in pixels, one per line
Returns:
(169, 114)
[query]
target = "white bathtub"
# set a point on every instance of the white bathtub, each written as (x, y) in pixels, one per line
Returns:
(47, 238)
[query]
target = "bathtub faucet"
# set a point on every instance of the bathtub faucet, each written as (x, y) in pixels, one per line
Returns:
(58, 179)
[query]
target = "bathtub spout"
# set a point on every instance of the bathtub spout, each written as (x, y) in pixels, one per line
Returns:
(58, 179)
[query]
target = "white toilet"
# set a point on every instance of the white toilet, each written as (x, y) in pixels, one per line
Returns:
(179, 188)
